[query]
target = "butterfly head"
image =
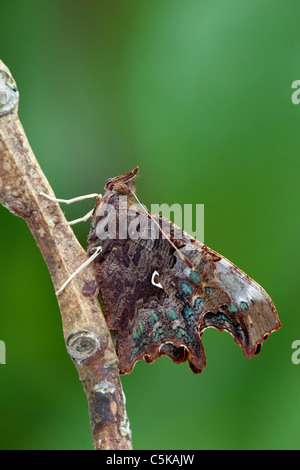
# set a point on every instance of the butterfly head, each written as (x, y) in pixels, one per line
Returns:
(122, 184)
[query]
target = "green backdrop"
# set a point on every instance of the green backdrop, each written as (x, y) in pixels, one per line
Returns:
(198, 94)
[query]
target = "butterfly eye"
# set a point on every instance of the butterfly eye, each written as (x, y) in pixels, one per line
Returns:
(121, 188)
(157, 284)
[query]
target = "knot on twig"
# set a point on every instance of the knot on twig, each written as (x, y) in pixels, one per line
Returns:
(82, 344)
(9, 95)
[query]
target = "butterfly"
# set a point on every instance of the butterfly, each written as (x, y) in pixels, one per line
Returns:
(160, 290)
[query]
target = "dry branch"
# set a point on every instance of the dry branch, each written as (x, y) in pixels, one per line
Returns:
(86, 335)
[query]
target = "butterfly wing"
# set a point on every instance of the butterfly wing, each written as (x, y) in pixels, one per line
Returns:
(156, 305)
(144, 317)
(248, 314)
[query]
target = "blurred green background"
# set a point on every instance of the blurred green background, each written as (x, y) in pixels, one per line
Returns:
(198, 94)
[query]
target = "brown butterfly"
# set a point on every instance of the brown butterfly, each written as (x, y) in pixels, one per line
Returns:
(161, 290)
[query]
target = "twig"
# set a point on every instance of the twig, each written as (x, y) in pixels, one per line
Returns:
(87, 337)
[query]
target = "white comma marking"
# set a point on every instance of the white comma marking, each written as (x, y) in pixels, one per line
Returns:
(157, 284)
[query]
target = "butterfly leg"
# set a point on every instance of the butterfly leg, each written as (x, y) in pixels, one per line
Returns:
(78, 270)
(82, 219)
(74, 199)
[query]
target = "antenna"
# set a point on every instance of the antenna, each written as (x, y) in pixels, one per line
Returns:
(189, 264)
